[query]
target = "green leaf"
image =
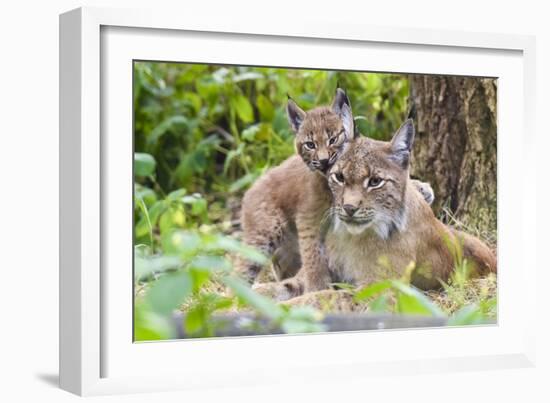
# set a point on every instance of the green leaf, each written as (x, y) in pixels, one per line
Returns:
(194, 100)
(249, 134)
(468, 315)
(488, 307)
(243, 182)
(144, 227)
(257, 132)
(149, 326)
(169, 124)
(195, 160)
(280, 121)
(208, 89)
(262, 304)
(409, 305)
(155, 211)
(199, 207)
(195, 319)
(374, 84)
(372, 290)
(218, 302)
(172, 217)
(411, 301)
(144, 164)
(210, 263)
(147, 195)
(380, 304)
(197, 203)
(144, 266)
(200, 278)
(229, 244)
(243, 108)
(148, 219)
(176, 195)
(142, 250)
(182, 243)
(232, 154)
(267, 112)
(168, 292)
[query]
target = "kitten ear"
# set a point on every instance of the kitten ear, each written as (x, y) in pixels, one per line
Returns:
(402, 142)
(295, 115)
(340, 99)
(341, 105)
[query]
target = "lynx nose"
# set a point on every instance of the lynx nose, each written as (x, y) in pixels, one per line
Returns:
(324, 164)
(349, 209)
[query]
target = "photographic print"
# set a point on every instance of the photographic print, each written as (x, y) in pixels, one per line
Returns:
(272, 200)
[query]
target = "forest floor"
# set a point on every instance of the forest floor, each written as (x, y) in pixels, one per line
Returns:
(450, 298)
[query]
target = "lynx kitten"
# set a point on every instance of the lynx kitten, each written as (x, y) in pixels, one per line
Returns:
(283, 211)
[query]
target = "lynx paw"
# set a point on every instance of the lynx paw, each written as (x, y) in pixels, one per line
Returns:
(425, 190)
(326, 301)
(282, 291)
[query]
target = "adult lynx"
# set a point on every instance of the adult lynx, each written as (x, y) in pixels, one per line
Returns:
(382, 223)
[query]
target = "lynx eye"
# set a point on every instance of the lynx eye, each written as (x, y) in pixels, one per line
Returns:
(338, 178)
(310, 145)
(375, 182)
(332, 140)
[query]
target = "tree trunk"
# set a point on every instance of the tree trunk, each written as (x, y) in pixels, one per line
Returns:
(456, 145)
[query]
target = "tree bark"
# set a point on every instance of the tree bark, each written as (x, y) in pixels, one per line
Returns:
(456, 145)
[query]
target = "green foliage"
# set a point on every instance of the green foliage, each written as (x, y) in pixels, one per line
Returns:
(462, 302)
(181, 261)
(144, 164)
(149, 326)
(408, 300)
(191, 266)
(468, 315)
(209, 126)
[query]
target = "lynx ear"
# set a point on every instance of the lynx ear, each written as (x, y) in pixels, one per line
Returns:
(347, 121)
(401, 144)
(342, 107)
(340, 99)
(295, 115)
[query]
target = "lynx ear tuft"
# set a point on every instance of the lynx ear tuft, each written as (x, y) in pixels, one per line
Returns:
(295, 115)
(402, 142)
(340, 99)
(342, 107)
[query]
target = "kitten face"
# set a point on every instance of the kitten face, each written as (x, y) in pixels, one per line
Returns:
(321, 139)
(323, 133)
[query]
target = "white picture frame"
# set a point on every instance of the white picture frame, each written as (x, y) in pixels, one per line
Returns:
(96, 355)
